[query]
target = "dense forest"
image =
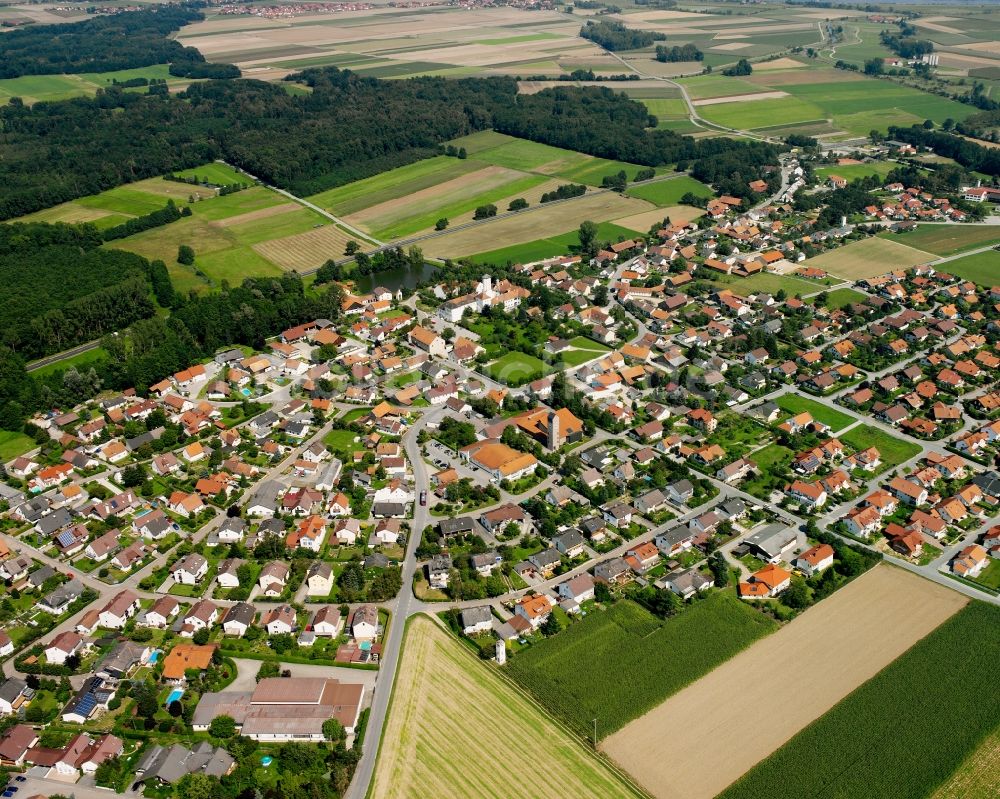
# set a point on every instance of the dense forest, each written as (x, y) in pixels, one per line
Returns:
(984, 126)
(968, 154)
(60, 290)
(684, 52)
(348, 127)
(152, 347)
(127, 40)
(614, 36)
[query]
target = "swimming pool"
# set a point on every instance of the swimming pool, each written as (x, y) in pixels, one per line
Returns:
(245, 392)
(175, 694)
(154, 657)
(365, 646)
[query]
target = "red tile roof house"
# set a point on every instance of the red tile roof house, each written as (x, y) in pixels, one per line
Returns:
(815, 560)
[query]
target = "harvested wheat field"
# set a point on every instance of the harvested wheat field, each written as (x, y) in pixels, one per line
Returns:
(534, 224)
(455, 729)
(752, 704)
(778, 63)
(740, 98)
(304, 251)
(868, 258)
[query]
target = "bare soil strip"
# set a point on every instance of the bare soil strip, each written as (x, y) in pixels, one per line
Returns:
(741, 98)
(260, 213)
(707, 736)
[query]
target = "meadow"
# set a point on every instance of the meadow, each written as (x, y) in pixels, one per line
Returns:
(854, 171)
(581, 674)
(946, 239)
(664, 193)
(546, 248)
(769, 282)
(980, 268)
(906, 730)
(894, 450)
(795, 403)
(838, 298)
(454, 726)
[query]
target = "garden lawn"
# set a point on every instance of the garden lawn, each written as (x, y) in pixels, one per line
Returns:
(517, 368)
(904, 731)
(14, 444)
(665, 193)
(838, 298)
(793, 403)
(990, 576)
(341, 443)
(547, 248)
(584, 343)
(947, 239)
(771, 461)
(894, 450)
(582, 673)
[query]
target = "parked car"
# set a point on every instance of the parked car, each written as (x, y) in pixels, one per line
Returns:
(423, 497)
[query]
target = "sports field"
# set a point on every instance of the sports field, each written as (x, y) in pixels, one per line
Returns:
(665, 193)
(947, 239)
(870, 257)
(904, 732)
(455, 729)
(581, 674)
(749, 706)
(516, 368)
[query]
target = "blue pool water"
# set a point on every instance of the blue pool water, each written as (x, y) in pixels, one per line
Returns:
(266, 761)
(154, 657)
(245, 392)
(365, 646)
(175, 694)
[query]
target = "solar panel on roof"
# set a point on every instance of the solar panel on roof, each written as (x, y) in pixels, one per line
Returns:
(86, 705)
(66, 537)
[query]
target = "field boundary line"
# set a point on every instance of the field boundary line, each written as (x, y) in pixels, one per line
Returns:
(588, 748)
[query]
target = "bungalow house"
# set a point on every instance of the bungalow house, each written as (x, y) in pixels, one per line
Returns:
(476, 620)
(768, 582)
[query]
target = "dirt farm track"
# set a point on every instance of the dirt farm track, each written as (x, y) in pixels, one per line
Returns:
(752, 704)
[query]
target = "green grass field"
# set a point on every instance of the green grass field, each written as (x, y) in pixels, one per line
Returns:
(761, 113)
(854, 171)
(894, 450)
(219, 174)
(517, 368)
(838, 298)
(431, 211)
(980, 268)
(768, 282)
(547, 248)
(702, 87)
(665, 193)
(793, 403)
(947, 239)
(391, 185)
(904, 731)
(13, 444)
(594, 170)
(618, 663)
(35, 88)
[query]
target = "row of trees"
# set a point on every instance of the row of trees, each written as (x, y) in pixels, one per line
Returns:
(684, 52)
(969, 154)
(614, 36)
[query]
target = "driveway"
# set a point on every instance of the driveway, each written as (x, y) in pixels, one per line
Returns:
(246, 674)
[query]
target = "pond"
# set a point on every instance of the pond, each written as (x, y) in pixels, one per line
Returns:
(393, 279)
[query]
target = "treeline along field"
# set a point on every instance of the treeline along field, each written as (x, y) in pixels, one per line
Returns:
(619, 663)
(903, 732)
(103, 44)
(310, 143)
